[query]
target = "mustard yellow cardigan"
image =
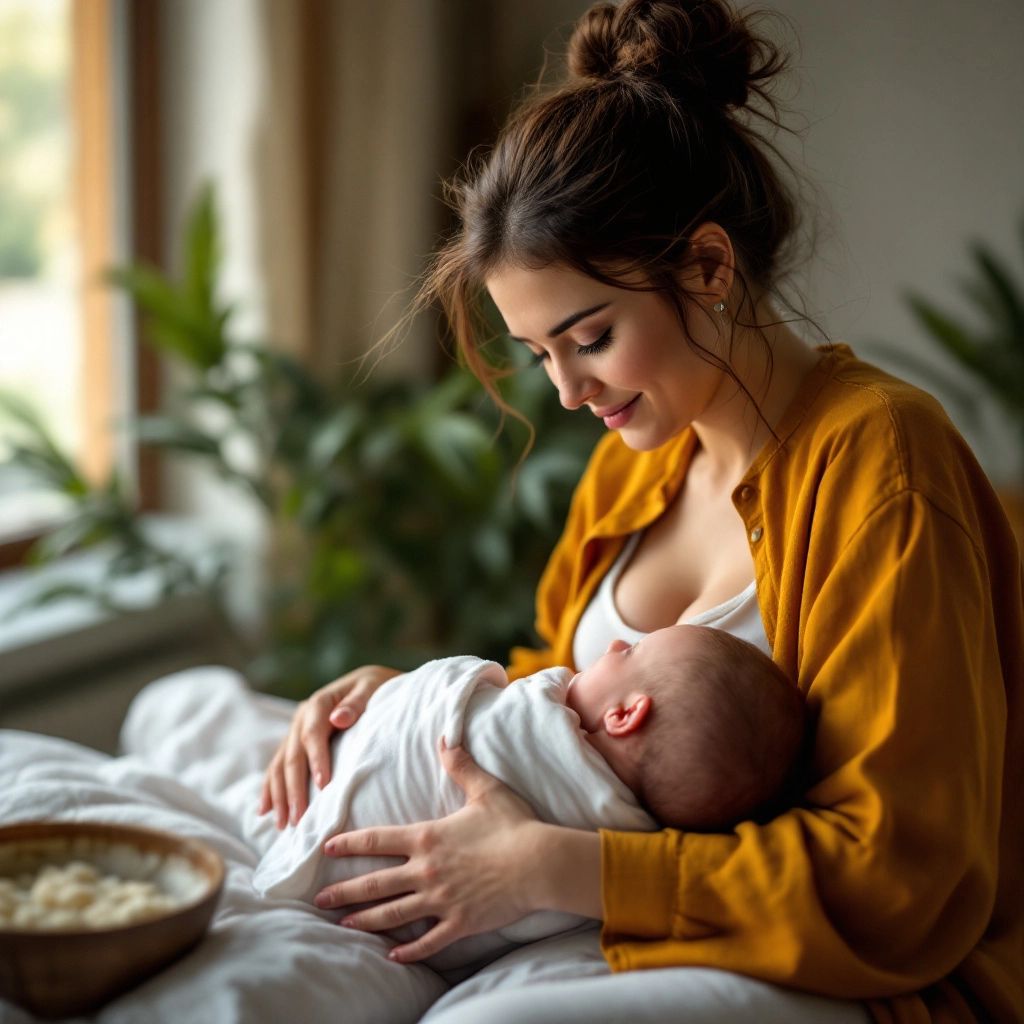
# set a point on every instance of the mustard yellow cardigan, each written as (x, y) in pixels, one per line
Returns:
(890, 587)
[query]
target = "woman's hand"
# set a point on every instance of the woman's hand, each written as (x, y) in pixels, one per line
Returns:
(470, 870)
(304, 750)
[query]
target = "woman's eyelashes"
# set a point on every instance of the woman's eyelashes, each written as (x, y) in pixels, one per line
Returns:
(593, 349)
(596, 346)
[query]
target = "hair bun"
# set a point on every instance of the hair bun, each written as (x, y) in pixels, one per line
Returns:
(594, 49)
(697, 49)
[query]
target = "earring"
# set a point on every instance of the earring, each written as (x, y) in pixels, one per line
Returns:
(719, 307)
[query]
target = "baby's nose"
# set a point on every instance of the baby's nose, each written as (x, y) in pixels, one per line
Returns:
(617, 645)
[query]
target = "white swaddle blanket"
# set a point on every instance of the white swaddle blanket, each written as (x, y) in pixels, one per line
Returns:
(386, 771)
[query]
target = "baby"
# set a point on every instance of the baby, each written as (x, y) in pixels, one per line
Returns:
(690, 728)
(702, 727)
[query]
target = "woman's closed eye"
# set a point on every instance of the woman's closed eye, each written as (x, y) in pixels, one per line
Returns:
(593, 349)
(596, 346)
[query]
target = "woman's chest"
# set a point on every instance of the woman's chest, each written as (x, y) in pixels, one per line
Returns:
(693, 558)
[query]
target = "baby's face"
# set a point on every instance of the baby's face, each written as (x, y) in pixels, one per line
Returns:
(619, 672)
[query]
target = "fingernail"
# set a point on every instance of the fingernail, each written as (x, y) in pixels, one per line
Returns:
(329, 848)
(347, 922)
(319, 779)
(294, 815)
(394, 956)
(322, 901)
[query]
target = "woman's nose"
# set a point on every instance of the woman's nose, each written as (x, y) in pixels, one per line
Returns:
(574, 390)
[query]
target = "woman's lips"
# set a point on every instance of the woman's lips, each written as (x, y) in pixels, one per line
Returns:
(621, 416)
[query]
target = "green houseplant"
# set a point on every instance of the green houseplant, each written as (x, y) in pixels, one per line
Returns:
(405, 523)
(990, 349)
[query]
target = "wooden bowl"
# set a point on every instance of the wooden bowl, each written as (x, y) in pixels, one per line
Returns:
(65, 972)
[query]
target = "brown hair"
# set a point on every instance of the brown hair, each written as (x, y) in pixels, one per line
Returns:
(724, 741)
(651, 134)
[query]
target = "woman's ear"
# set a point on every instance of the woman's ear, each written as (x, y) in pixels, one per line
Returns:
(621, 721)
(711, 264)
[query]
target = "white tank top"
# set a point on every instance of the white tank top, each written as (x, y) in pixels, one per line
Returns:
(601, 622)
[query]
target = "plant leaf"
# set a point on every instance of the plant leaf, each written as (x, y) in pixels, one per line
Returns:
(83, 531)
(202, 252)
(175, 434)
(175, 325)
(950, 334)
(458, 445)
(331, 437)
(60, 591)
(1001, 285)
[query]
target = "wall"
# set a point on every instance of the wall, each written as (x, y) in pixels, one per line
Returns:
(913, 113)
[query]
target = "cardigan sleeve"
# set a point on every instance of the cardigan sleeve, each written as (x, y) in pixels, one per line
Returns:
(552, 596)
(883, 879)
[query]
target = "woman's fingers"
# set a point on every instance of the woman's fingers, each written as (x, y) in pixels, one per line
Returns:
(378, 885)
(346, 711)
(278, 794)
(360, 686)
(385, 841)
(308, 751)
(444, 933)
(387, 916)
(465, 772)
(272, 793)
(315, 734)
(336, 706)
(296, 777)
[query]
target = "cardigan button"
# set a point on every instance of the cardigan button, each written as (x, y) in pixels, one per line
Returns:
(746, 493)
(756, 534)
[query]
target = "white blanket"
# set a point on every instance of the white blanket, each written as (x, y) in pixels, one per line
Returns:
(386, 771)
(264, 960)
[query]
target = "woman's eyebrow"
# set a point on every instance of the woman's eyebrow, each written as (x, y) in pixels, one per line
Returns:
(560, 328)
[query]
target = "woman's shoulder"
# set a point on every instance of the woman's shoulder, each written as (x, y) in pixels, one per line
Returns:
(883, 437)
(871, 410)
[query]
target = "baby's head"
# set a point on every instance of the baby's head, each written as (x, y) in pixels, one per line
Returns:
(702, 726)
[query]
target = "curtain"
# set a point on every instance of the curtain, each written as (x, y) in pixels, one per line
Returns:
(357, 132)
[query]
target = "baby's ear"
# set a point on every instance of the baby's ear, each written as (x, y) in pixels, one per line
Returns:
(624, 720)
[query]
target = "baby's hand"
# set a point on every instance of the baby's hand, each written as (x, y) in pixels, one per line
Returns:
(305, 750)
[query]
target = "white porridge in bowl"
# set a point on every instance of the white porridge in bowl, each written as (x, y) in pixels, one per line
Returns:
(85, 884)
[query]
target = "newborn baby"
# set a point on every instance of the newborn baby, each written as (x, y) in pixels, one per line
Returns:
(689, 728)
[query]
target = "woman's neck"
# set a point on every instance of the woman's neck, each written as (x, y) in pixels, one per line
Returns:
(739, 422)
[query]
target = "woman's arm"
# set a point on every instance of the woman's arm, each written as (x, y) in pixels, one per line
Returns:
(483, 867)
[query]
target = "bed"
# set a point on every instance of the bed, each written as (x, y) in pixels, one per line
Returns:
(195, 771)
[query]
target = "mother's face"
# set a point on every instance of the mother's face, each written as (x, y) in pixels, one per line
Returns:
(623, 354)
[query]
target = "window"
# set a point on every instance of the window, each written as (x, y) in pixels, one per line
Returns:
(40, 338)
(70, 143)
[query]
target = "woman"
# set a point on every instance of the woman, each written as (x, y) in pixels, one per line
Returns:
(631, 229)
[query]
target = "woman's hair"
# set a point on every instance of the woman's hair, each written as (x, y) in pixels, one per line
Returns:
(724, 740)
(651, 134)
